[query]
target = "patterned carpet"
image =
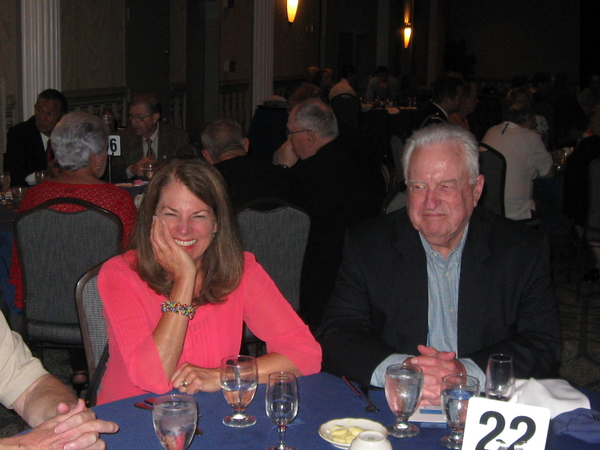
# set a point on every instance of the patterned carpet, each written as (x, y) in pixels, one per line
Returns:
(579, 317)
(580, 323)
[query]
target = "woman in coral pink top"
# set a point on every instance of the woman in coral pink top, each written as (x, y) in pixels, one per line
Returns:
(175, 305)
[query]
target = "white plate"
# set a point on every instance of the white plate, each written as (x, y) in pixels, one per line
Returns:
(326, 429)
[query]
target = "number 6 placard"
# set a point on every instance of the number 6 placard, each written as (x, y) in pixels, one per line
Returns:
(496, 425)
(114, 145)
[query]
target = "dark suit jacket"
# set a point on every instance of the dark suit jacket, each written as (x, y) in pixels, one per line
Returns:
(249, 179)
(336, 192)
(25, 152)
(171, 142)
(380, 302)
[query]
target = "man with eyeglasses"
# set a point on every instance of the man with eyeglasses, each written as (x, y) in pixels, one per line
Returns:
(147, 139)
(28, 146)
(334, 188)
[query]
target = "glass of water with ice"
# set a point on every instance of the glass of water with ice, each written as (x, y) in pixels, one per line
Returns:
(456, 390)
(175, 418)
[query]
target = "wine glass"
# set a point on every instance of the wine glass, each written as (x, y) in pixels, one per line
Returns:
(281, 403)
(40, 176)
(456, 390)
(5, 177)
(500, 377)
(239, 378)
(403, 390)
(149, 169)
(18, 192)
(5, 183)
(175, 418)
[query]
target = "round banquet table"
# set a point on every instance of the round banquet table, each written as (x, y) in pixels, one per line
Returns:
(323, 397)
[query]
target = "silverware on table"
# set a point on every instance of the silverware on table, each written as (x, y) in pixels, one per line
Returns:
(366, 398)
(150, 401)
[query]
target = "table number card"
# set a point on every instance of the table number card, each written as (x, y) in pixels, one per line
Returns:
(496, 425)
(114, 145)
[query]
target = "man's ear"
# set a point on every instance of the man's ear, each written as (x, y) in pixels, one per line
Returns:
(246, 144)
(478, 188)
(207, 156)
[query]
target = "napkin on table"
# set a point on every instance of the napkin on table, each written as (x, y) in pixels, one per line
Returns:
(556, 395)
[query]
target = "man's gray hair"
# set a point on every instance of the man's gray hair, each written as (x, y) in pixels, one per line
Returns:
(221, 136)
(444, 133)
(313, 114)
(76, 137)
(520, 113)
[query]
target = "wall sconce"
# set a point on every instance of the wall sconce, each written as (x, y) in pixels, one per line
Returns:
(292, 8)
(407, 34)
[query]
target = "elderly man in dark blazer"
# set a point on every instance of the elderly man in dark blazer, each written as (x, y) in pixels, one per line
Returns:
(147, 139)
(441, 283)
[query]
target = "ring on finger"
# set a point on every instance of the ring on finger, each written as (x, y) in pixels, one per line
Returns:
(184, 384)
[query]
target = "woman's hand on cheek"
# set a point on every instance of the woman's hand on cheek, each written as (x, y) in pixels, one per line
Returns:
(167, 253)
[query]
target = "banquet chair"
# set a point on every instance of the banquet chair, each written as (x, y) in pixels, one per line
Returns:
(55, 248)
(346, 108)
(590, 235)
(277, 237)
(492, 165)
(93, 329)
(395, 199)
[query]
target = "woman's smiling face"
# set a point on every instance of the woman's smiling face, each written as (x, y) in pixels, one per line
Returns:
(191, 222)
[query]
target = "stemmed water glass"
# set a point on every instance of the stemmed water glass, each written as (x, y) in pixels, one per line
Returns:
(500, 377)
(403, 390)
(456, 390)
(239, 379)
(149, 169)
(281, 403)
(5, 184)
(175, 418)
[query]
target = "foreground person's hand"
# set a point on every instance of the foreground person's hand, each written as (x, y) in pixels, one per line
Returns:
(196, 379)
(436, 365)
(138, 168)
(75, 428)
(286, 155)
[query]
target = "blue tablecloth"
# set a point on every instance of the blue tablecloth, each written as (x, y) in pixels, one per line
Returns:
(323, 397)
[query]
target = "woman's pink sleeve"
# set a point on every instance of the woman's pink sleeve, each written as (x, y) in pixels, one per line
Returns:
(271, 318)
(131, 323)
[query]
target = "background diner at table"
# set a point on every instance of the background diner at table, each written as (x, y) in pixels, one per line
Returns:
(79, 142)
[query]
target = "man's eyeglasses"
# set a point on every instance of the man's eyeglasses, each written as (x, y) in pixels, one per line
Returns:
(288, 132)
(133, 118)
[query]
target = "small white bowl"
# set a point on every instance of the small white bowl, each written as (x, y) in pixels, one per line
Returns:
(370, 440)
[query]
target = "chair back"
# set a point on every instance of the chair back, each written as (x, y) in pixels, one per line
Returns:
(593, 221)
(346, 108)
(492, 165)
(277, 237)
(91, 319)
(55, 249)
(93, 330)
(395, 200)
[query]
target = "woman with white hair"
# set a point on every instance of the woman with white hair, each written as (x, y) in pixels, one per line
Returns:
(79, 142)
